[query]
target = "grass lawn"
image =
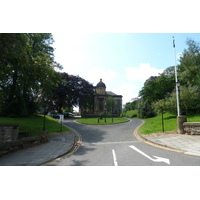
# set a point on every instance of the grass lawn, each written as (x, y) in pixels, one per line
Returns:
(154, 124)
(131, 113)
(34, 124)
(102, 121)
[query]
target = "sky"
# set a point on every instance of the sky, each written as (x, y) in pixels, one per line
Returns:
(122, 42)
(124, 61)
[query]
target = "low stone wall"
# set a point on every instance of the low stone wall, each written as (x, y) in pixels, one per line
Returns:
(9, 132)
(8, 147)
(191, 128)
(11, 140)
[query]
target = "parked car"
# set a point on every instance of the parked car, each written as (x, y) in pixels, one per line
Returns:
(67, 114)
(54, 115)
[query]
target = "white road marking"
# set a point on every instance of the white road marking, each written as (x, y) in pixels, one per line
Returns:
(155, 159)
(114, 158)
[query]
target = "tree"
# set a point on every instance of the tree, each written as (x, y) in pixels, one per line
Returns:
(189, 101)
(145, 110)
(73, 91)
(131, 105)
(27, 71)
(158, 87)
(155, 89)
(110, 104)
(189, 68)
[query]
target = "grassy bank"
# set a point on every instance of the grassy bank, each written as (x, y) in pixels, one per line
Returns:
(130, 113)
(154, 124)
(94, 121)
(34, 124)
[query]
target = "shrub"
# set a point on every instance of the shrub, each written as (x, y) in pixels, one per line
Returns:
(145, 110)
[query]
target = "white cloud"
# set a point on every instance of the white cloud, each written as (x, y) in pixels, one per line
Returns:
(128, 91)
(141, 73)
(94, 75)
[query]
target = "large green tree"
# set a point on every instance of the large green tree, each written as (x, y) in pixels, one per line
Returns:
(73, 91)
(189, 68)
(158, 87)
(27, 71)
(189, 101)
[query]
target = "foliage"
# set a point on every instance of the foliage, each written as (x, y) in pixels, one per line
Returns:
(157, 87)
(131, 105)
(27, 71)
(72, 91)
(110, 104)
(160, 90)
(189, 101)
(189, 68)
(145, 110)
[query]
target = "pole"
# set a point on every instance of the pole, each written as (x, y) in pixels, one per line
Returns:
(162, 121)
(44, 122)
(61, 120)
(176, 79)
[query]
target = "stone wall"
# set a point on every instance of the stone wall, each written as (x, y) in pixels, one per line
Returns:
(191, 128)
(11, 140)
(11, 146)
(9, 132)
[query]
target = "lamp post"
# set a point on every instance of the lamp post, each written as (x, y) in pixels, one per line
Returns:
(176, 79)
(162, 117)
(180, 119)
(44, 118)
(105, 111)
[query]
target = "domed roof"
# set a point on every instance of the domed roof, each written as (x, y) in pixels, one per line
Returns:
(101, 84)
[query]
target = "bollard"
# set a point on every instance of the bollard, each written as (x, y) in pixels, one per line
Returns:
(180, 120)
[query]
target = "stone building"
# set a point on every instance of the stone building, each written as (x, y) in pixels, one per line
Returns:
(100, 102)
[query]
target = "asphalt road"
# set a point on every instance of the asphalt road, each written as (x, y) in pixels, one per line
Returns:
(116, 145)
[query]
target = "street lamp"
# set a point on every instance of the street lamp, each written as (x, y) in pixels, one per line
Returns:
(176, 79)
(161, 106)
(105, 111)
(180, 119)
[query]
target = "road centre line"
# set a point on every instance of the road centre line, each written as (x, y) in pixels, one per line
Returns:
(114, 158)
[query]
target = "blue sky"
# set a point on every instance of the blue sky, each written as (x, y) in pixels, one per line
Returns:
(123, 60)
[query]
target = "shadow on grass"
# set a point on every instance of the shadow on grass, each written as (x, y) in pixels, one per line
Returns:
(170, 117)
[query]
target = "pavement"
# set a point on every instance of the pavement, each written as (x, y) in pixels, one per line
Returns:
(61, 144)
(187, 144)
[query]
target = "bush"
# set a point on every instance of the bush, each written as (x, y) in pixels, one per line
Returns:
(189, 101)
(145, 110)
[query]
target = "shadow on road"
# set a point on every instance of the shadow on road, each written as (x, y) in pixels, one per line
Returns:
(89, 133)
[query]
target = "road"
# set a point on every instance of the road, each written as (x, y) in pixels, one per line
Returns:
(116, 145)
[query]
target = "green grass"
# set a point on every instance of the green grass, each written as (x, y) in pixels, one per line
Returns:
(131, 113)
(102, 121)
(154, 124)
(34, 124)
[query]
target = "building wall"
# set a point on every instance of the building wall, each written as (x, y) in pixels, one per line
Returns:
(100, 98)
(100, 104)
